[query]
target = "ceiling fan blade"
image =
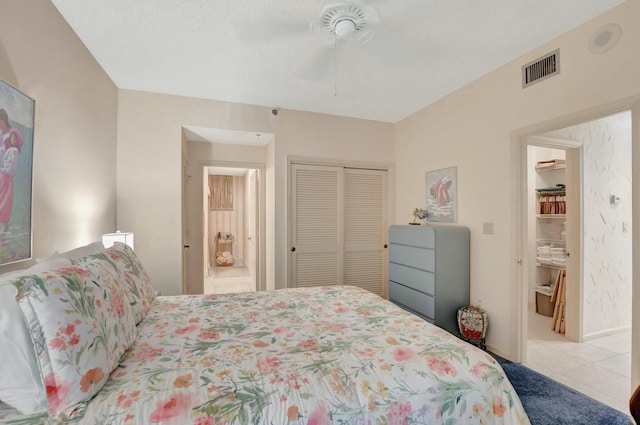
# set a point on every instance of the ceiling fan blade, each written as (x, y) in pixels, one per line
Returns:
(254, 31)
(393, 51)
(319, 66)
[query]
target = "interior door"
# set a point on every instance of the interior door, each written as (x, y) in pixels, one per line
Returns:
(251, 226)
(365, 229)
(316, 251)
(574, 276)
(338, 227)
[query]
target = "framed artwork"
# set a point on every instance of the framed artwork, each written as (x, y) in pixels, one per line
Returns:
(16, 165)
(221, 193)
(441, 194)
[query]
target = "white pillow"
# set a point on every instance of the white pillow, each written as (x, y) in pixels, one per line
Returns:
(55, 256)
(82, 251)
(21, 386)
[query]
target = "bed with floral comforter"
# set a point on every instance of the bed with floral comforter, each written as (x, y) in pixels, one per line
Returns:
(316, 356)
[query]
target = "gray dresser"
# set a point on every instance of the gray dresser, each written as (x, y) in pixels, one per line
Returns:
(429, 271)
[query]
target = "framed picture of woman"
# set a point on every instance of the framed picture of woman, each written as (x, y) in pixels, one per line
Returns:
(441, 194)
(16, 165)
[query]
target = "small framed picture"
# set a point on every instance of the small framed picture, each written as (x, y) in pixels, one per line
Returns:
(441, 194)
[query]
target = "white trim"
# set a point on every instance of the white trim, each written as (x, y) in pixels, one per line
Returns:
(635, 252)
(608, 332)
(337, 163)
(552, 142)
(519, 138)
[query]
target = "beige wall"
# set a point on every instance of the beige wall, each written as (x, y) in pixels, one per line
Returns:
(75, 126)
(473, 128)
(149, 139)
(149, 182)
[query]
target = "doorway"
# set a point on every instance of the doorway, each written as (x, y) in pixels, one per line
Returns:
(594, 355)
(230, 223)
(204, 148)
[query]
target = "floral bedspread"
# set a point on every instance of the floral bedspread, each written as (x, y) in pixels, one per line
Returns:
(315, 356)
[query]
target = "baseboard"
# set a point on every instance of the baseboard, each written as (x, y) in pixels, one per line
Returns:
(606, 332)
(495, 350)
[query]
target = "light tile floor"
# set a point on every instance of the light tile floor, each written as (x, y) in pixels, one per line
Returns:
(599, 368)
(225, 280)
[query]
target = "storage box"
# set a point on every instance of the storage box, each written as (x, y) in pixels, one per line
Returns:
(544, 305)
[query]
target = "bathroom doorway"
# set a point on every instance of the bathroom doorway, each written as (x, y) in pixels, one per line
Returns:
(230, 223)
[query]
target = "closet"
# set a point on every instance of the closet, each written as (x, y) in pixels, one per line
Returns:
(551, 253)
(338, 219)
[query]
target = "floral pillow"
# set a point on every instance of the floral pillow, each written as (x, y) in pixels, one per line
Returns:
(21, 383)
(81, 324)
(134, 278)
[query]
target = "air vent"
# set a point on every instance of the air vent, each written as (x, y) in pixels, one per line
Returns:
(541, 69)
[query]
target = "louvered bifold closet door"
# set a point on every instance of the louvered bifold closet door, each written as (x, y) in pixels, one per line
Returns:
(365, 224)
(316, 251)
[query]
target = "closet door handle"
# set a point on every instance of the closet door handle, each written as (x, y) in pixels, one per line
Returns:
(385, 246)
(293, 249)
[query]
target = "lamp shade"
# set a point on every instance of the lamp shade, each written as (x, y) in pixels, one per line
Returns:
(108, 239)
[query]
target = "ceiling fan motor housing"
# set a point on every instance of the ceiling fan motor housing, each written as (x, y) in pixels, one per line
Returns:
(343, 20)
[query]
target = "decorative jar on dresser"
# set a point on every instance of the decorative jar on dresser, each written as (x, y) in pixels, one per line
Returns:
(429, 271)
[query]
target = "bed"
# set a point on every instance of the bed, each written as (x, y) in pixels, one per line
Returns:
(316, 356)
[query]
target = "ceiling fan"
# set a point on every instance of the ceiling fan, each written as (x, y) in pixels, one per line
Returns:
(340, 23)
(347, 20)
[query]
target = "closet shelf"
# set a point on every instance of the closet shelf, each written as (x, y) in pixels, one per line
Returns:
(555, 241)
(542, 192)
(552, 266)
(552, 167)
(551, 216)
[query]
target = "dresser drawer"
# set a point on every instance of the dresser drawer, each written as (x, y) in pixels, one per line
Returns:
(420, 236)
(423, 259)
(405, 308)
(421, 303)
(417, 279)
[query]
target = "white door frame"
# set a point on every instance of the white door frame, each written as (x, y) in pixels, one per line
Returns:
(574, 156)
(519, 295)
(261, 268)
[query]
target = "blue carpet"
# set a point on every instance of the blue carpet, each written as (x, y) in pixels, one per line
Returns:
(548, 402)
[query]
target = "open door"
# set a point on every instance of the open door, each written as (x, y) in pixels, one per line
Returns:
(251, 225)
(635, 181)
(575, 255)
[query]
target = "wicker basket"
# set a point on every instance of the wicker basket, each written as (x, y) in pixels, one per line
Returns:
(473, 323)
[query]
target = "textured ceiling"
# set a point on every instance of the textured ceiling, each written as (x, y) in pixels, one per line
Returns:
(262, 52)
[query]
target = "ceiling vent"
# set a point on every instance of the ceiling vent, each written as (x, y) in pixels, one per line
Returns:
(541, 69)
